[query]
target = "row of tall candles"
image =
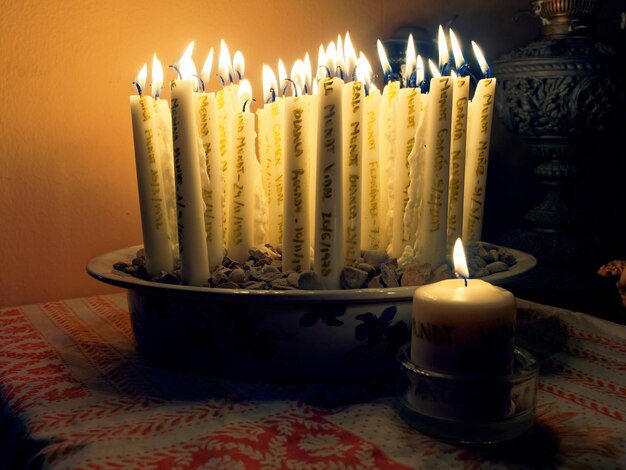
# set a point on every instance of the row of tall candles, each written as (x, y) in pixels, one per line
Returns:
(340, 166)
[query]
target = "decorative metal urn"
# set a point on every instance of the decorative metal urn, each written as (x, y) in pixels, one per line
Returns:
(559, 94)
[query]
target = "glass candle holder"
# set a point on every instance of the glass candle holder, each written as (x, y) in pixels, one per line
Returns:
(469, 410)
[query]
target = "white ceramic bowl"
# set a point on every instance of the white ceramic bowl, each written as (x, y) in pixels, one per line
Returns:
(271, 335)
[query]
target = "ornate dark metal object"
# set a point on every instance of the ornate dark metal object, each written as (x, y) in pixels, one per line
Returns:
(559, 94)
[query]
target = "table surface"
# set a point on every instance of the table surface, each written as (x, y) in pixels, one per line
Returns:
(75, 394)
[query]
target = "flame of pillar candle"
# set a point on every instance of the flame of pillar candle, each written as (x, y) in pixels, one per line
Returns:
(384, 62)
(186, 66)
(410, 64)
(283, 83)
(444, 52)
(239, 65)
(269, 84)
(453, 74)
(315, 88)
(322, 71)
(484, 66)
(340, 68)
(244, 95)
(459, 60)
(298, 77)
(330, 58)
(308, 77)
(140, 83)
(157, 77)
(460, 263)
(205, 73)
(350, 59)
(434, 71)
(224, 66)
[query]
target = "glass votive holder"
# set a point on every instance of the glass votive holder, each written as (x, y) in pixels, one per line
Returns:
(468, 410)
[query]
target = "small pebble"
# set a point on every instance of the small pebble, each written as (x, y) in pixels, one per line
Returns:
(368, 268)
(255, 285)
(375, 283)
(352, 278)
(237, 275)
(388, 276)
(293, 278)
(479, 262)
(309, 280)
(497, 267)
(229, 285)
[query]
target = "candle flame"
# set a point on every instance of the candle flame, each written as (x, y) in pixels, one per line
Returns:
(484, 66)
(321, 72)
(315, 89)
(186, 66)
(141, 77)
(308, 75)
(269, 84)
(444, 53)
(420, 70)
(205, 73)
(384, 62)
(340, 59)
(157, 76)
(364, 71)
(331, 58)
(351, 59)
(409, 60)
(453, 74)
(460, 263)
(282, 77)
(434, 71)
(239, 64)
(224, 66)
(244, 95)
(298, 77)
(459, 60)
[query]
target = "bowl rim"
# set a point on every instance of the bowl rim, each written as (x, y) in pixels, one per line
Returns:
(101, 268)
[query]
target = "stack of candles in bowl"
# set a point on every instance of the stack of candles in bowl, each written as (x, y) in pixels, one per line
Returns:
(337, 166)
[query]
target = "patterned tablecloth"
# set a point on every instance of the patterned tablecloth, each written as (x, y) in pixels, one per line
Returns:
(76, 395)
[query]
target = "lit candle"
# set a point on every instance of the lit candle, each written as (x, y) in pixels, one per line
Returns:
(352, 130)
(213, 195)
(194, 262)
(152, 206)
(477, 156)
(226, 111)
(244, 168)
(386, 129)
(463, 327)
(433, 214)
(329, 235)
(460, 98)
(296, 235)
(407, 113)
(163, 125)
(370, 196)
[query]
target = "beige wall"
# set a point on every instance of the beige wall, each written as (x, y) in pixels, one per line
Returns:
(67, 182)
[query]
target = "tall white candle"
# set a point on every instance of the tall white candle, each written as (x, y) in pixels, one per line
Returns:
(352, 129)
(329, 228)
(386, 123)
(477, 157)
(149, 182)
(242, 178)
(370, 200)
(460, 100)
(296, 235)
(194, 262)
(406, 119)
(433, 209)
(213, 195)
(458, 140)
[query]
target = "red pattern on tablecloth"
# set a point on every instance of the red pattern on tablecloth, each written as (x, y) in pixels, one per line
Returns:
(31, 371)
(114, 367)
(68, 371)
